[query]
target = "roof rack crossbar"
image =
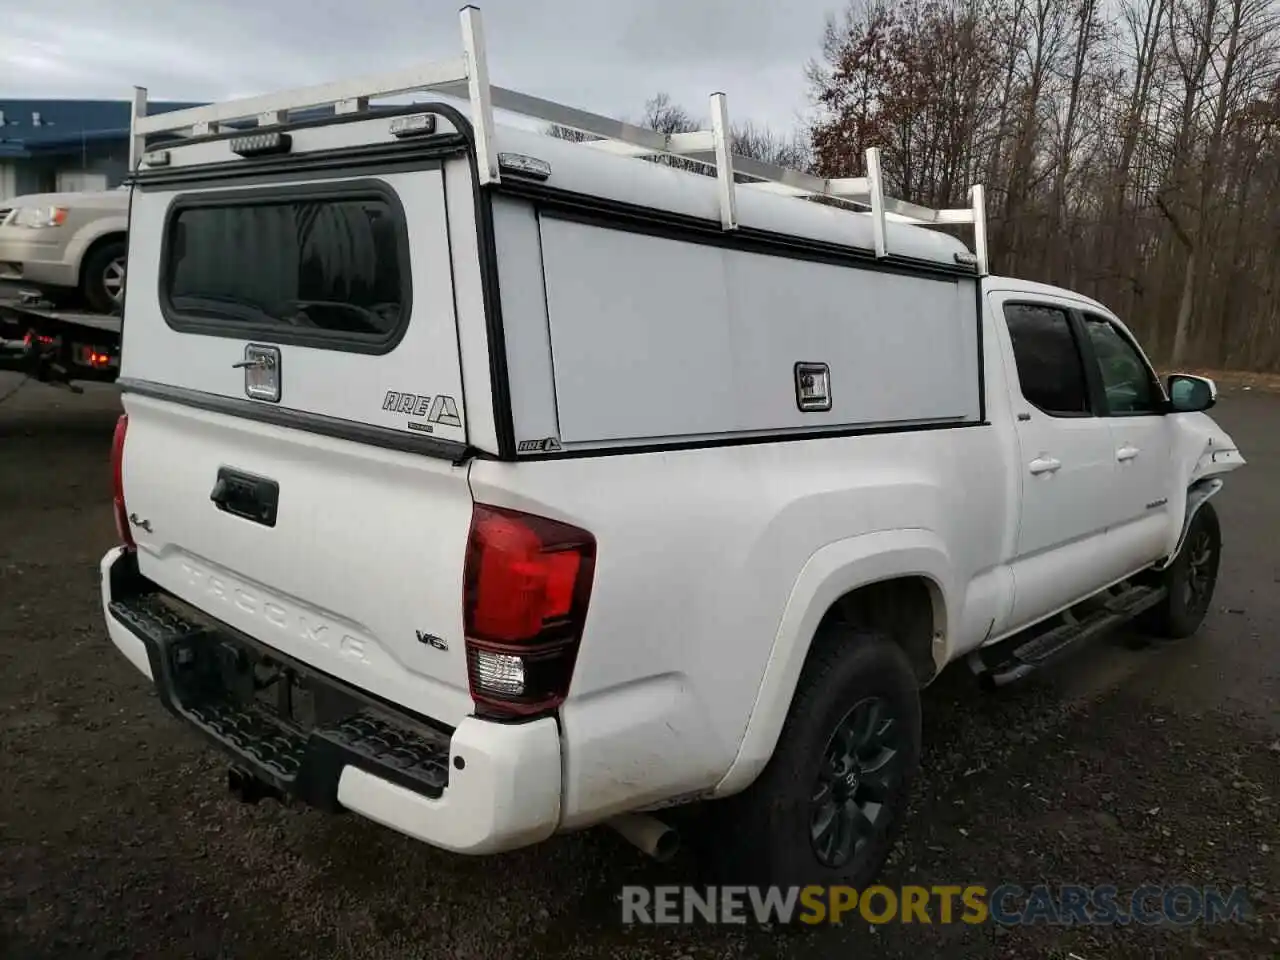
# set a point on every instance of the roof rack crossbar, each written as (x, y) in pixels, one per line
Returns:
(467, 77)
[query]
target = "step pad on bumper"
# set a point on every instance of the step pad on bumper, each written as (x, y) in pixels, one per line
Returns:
(293, 727)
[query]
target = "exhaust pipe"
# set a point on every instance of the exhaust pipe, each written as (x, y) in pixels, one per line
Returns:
(247, 788)
(648, 833)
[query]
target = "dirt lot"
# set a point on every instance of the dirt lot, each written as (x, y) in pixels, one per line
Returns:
(117, 836)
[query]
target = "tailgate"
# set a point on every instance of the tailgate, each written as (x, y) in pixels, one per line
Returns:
(293, 387)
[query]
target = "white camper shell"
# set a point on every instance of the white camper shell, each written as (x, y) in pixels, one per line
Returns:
(565, 296)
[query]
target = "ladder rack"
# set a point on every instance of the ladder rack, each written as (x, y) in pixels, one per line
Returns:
(467, 77)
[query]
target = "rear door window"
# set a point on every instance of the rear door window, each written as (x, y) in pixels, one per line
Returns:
(1050, 370)
(319, 267)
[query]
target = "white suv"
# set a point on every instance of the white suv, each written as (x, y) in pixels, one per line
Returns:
(490, 485)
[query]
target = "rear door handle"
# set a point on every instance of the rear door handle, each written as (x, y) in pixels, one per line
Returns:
(1045, 465)
(1126, 452)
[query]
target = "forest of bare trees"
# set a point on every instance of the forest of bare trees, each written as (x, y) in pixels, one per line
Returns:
(1130, 148)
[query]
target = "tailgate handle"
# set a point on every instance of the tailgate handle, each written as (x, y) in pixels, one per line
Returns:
(247, 496)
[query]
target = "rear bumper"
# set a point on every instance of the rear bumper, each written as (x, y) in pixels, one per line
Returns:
(481, 788)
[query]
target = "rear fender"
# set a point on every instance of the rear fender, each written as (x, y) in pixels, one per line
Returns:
(832, 572)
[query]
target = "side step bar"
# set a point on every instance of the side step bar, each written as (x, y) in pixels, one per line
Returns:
(1018, 656)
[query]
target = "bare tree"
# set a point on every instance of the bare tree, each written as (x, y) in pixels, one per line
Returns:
(1131, 148)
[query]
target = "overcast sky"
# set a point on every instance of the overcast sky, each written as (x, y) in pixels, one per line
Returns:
(604, 55)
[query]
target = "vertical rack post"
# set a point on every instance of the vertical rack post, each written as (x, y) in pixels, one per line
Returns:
(478, 89)
(137, 142)
(875, 186)
(723, 136)
(978, 197)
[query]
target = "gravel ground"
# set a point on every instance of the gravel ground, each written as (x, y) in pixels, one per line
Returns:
(118, 839)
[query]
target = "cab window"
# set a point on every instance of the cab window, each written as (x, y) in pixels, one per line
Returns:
(1127, 381)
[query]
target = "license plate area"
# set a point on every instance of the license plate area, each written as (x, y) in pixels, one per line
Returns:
(289, 724)
(234, 673)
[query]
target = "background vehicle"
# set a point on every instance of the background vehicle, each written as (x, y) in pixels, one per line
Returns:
(68, 246)
(432, 509)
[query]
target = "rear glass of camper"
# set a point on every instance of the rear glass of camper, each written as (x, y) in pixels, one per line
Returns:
(321, 268)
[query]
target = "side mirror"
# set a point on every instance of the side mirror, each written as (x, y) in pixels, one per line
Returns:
(1188, 394)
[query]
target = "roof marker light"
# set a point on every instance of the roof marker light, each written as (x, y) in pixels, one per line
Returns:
(415, 125)
(524, 165)
(261, 144)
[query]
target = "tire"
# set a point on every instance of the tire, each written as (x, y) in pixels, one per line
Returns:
(102, 277)
(1190, 580)
(772, 833)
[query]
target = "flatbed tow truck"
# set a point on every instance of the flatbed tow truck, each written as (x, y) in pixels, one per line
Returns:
(58, 347)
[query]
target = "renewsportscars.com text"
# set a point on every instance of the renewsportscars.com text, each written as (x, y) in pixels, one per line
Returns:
(1006, 905)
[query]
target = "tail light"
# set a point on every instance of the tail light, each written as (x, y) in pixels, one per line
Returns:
(117, 482)
(526, 586)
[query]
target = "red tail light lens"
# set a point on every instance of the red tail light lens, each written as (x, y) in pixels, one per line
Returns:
(117, 482)
(527, 583)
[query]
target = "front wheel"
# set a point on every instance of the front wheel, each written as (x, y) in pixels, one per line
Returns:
(1190, 580)
(103, 285)
(826, 807)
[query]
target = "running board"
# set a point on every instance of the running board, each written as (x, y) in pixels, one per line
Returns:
(1023, 653)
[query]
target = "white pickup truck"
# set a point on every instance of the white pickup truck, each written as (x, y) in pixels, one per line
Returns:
(490, 485)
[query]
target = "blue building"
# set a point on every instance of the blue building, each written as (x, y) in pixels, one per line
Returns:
(56, 145)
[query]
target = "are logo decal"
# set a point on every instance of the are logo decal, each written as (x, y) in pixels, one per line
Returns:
(440, 408)
(548, 445)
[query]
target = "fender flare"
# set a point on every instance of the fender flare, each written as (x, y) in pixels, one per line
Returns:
(830, 573)
(1198, 495)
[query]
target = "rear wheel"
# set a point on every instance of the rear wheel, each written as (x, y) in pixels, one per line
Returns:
(1190, 580)
(826, 807)
(102, 283)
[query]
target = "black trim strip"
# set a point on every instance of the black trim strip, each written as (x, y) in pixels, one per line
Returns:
(451, 450)
(745, 441)
(241, 128)
(1098, 405)
(979, 292)
(395, 157)
(503, 416)
(616, 215)
(344, 341)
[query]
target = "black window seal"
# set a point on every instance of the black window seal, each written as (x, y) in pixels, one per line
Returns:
(455, 451)
(1070, 313)
(365, 188)
(1093, 367)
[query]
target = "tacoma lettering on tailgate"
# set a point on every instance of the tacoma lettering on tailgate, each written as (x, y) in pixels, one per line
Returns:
(219, 590)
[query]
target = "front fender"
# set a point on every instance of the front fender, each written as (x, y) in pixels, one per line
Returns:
(830, 573)
(1202, 453)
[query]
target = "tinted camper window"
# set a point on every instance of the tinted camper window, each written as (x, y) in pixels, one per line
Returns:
(309, 269)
